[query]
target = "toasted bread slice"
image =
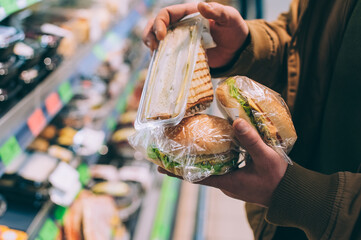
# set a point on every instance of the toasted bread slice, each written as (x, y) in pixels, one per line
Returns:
(201, 89)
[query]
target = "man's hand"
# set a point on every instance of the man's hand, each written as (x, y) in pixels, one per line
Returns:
(256, 181)
(228, 29)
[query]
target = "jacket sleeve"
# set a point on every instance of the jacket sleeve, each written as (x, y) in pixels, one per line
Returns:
(323, 206)
(264, 57)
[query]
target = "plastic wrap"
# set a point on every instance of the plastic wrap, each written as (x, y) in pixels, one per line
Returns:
(9, 36)
(179, 59)
(199, 146)
(263, 108)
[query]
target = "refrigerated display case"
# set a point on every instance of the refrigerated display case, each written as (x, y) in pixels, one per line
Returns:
(90, 92)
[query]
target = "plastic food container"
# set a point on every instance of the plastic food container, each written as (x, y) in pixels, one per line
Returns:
(38, 167)
(8, 96)
(9, 70)
(166, 88)
(30, 51)
(127, 196)
(10, 86)
(9, 36)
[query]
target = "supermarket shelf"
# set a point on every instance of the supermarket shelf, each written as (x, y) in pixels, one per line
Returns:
(148, 210)
(185, 222)
(163, 223)
(159, 207)
(16, 124)
(8, 7)
(18, 114)
(27, 118)
(39, 220)
(201, 213)
(118, 106)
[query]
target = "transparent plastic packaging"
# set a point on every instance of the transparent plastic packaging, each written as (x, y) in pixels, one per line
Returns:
(263, 108)
(9, 36)
(198, 147)
(166, 89)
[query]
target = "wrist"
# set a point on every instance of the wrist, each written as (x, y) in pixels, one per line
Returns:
(227, 59)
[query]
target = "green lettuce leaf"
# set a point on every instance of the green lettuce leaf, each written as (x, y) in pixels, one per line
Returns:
(257, 121)
(210, 165)
(235, 92)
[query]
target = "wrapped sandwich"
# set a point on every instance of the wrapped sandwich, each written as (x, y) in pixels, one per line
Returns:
(199, 146)
(261, 107)
(86, 220)
(178, 83)
(170, 132)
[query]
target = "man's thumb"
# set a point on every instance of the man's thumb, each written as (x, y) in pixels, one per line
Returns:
(214, 11)
(249, 138)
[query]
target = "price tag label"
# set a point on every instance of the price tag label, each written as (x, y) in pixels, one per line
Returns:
(84, 173)
(113, 37)
(121, 104)
(111, 123)
(59, 213)
(10, 150)
(129, 89)
(99, 52)
(29, 2)
(49, 230)
(10, 6)
(36, 122)
(65, 92)
(53, 104)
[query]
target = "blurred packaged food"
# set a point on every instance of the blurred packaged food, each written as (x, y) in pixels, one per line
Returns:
(9, 36)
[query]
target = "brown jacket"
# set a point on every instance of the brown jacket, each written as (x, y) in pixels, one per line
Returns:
(312, 56)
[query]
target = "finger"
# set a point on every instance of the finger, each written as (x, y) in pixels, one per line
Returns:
(211, 181)
(170, 15)
(250, 139)
(149, 38)
(218, 181)
(217, 12)
(163, 171)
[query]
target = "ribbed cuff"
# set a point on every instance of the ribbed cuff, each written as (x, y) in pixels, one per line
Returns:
(304, 199)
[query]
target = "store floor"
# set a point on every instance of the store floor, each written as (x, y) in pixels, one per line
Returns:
(216, 216)
(225, 218)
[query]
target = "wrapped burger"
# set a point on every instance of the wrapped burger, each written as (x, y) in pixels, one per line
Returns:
(198, 147)
(262, 108)
(170, 132)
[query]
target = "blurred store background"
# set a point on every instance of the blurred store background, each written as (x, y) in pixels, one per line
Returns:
(71, 76)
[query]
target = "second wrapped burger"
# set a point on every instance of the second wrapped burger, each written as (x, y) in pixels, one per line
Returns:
(199, 146)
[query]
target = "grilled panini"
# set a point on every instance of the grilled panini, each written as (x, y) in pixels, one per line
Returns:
(200, 94)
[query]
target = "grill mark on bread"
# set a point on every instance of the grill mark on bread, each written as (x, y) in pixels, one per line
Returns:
(197, 107)
(202, 69)
(204, 76)
(203, 91)
(201, 88)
